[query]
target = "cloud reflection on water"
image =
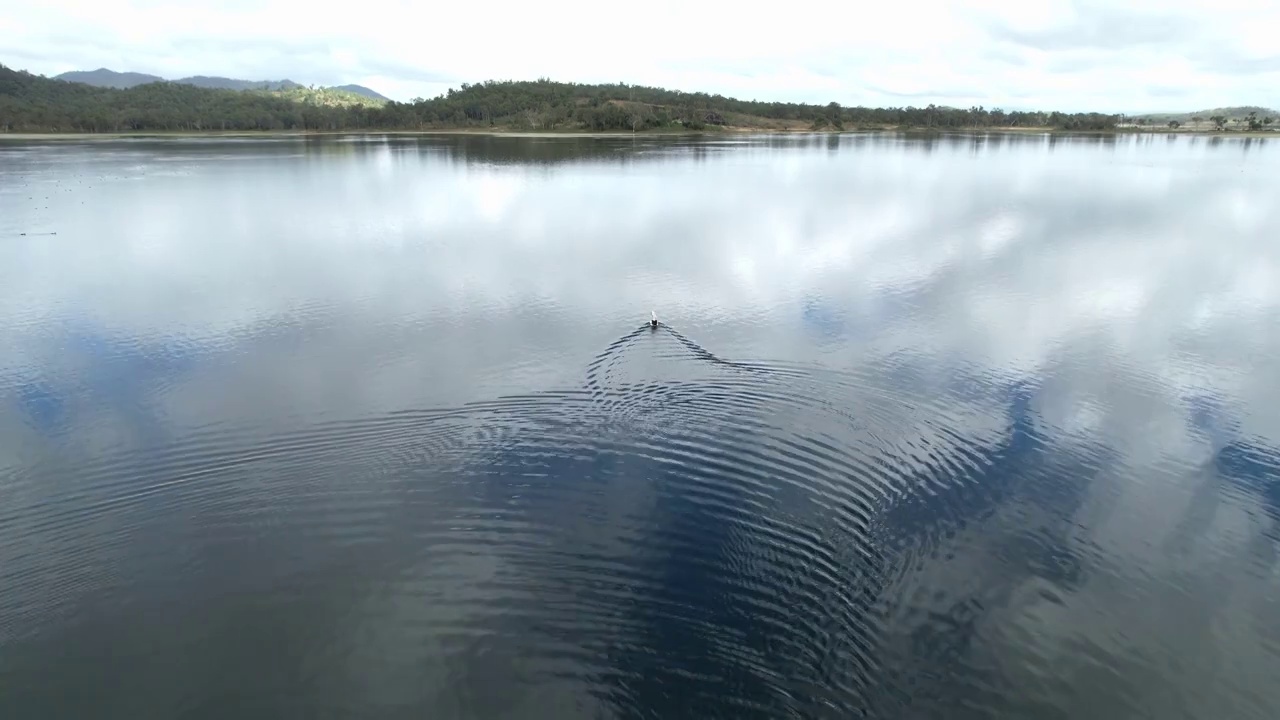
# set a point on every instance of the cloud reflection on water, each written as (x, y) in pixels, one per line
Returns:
(1070, 307)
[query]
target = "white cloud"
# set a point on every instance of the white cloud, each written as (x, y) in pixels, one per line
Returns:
(1065, 54)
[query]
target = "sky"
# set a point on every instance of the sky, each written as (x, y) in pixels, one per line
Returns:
(1070, 55)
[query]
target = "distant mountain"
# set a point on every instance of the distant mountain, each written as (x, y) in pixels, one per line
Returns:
(103, 77)
(221, 83)
(1239, 111)
(362, 90)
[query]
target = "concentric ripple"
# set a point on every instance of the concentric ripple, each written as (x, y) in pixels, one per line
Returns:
(682, 526)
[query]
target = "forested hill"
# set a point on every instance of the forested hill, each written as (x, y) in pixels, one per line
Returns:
(103, 77)
(31, 103)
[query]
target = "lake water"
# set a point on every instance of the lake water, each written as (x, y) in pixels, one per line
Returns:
(963, 427)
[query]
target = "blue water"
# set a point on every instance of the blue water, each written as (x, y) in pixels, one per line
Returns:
(932, 426)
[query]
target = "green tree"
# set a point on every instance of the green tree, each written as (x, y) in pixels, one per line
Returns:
(29, 102)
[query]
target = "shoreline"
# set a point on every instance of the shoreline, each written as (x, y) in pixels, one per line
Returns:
(723, 131)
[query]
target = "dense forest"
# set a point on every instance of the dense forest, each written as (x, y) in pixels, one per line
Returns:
(32, 103)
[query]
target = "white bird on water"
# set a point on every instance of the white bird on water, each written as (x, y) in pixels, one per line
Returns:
(653, 322)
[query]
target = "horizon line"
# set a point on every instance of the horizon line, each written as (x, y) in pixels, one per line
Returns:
(456, 84)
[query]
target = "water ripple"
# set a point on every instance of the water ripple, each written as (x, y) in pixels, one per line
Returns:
(731, 508)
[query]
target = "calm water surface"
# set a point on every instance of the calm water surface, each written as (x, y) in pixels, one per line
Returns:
(965, 427)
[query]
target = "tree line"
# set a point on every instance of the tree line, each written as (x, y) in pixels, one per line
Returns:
(32, 103)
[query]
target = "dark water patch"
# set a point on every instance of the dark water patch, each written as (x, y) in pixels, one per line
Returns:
(748, 564)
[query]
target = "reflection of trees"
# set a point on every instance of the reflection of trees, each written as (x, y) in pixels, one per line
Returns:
(1254, 468)
(966, 551)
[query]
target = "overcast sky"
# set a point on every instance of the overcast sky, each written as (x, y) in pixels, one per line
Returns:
(1140, 55)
